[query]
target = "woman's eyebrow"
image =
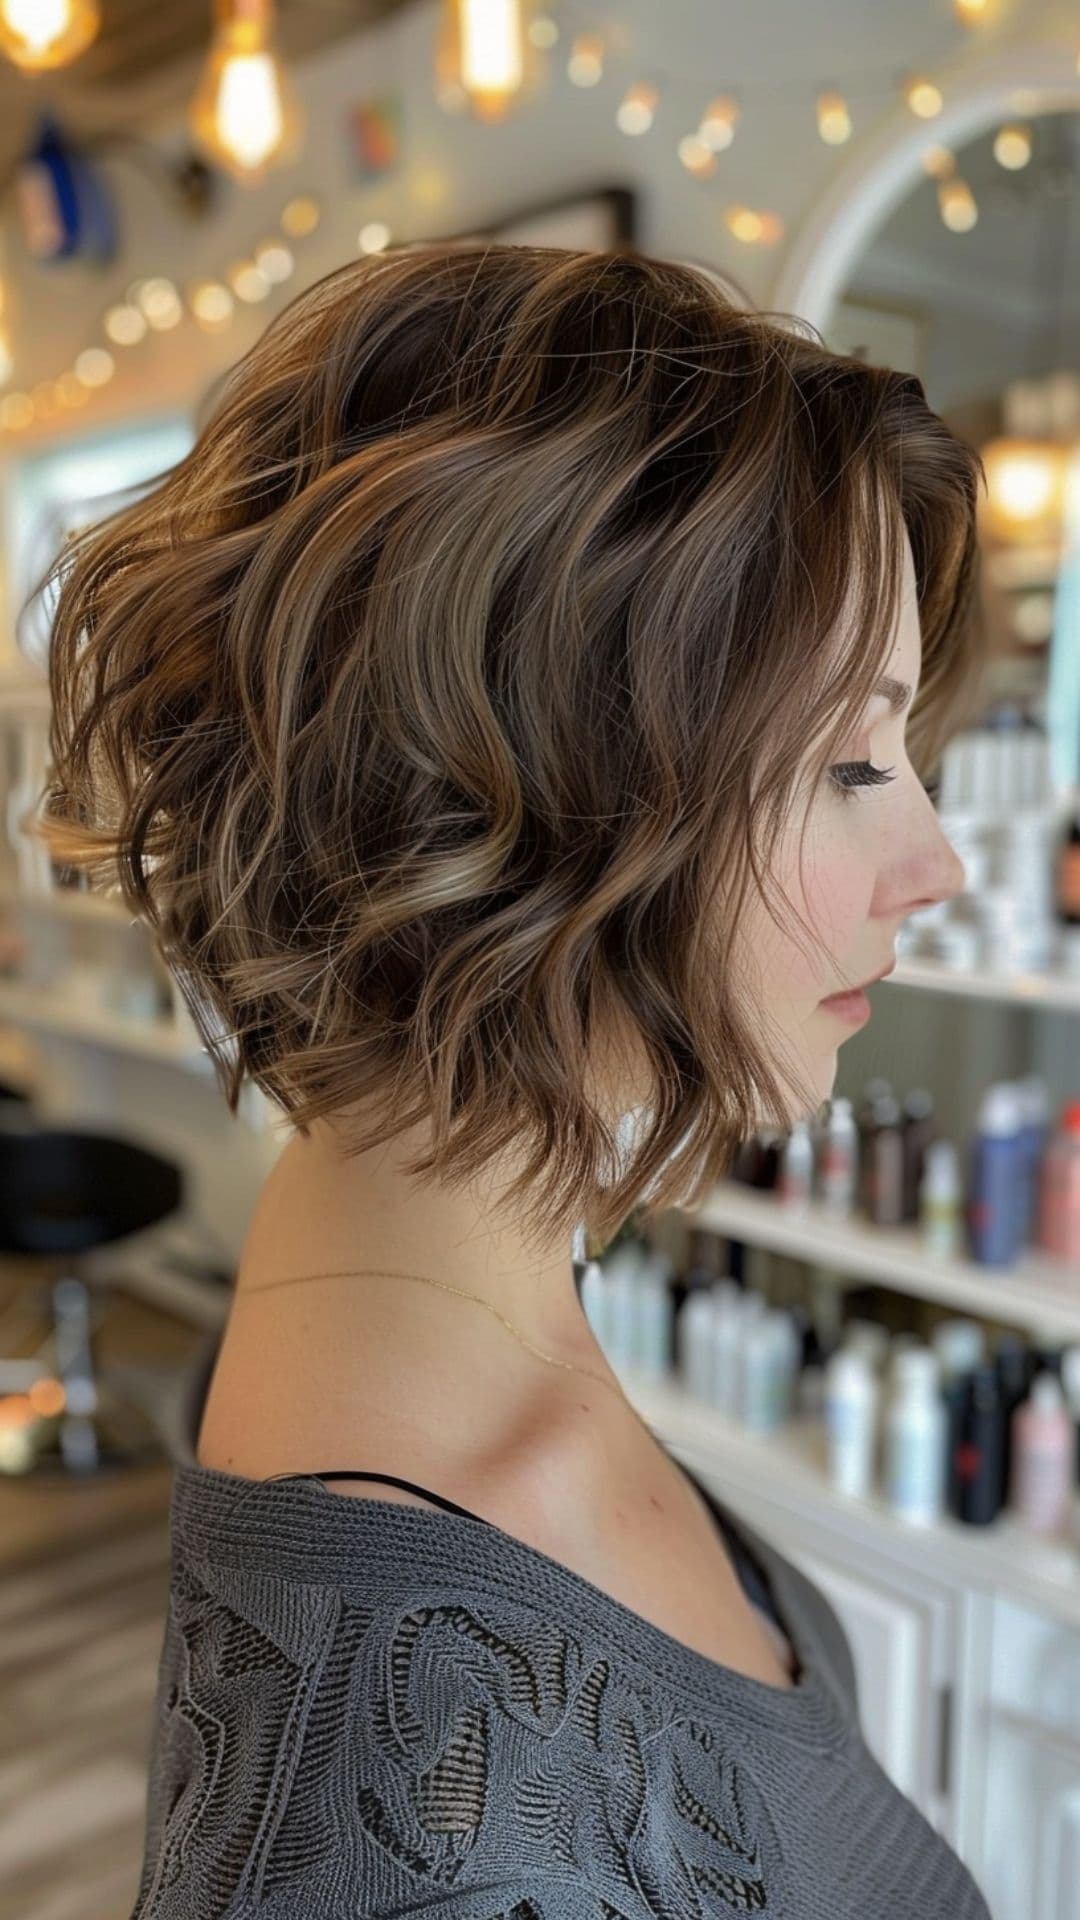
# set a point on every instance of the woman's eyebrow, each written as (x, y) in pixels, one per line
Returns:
(897, 692)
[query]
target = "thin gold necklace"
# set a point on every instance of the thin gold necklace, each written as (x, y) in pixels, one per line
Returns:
(384, 1273)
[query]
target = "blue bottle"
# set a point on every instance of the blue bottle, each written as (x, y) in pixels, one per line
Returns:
(998, 1176)
(1035, 1109)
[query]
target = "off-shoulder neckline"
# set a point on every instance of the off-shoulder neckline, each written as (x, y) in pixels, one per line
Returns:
(294, 1526)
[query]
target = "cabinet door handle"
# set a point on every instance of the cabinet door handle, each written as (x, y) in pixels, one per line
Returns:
(944, 1755)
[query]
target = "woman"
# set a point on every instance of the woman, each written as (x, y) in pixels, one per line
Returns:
(479, 713)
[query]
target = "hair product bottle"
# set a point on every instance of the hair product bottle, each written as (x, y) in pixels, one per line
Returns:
(959, 1345)
(818, 1128)
(1034, 1105)
(753, 1308)
(955, 1399)
(866, 1119)
(917, 1131)
(1069, 1194)
(701, 1269)
(914, 1433)
(981, 1449)
(693, 1342)
(593, 1295)
(839, 1167)
(726, 1341)
(1058, 1225)
(770, 1357)
(941, 1199)
(1013, 1360)
(1043, 1450)
(757, 1399)
(654, 1311)
(883, 1184)
(623, 1268)
(851, 1414)
(996, 1178)
(788, 1348)
(1048, 1235)
(1070, 1381)
(795, 1184)
(810, 1381)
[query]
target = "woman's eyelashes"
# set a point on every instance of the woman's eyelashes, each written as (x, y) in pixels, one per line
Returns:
(847, 775)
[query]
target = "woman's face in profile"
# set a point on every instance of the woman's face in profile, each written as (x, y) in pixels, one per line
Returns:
(873, 854)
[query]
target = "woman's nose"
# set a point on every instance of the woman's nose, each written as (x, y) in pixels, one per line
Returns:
(941, 873)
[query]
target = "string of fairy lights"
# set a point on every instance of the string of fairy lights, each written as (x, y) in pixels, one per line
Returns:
(489, 61)
(154, 304)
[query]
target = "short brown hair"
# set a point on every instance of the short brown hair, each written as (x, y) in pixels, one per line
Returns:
(425, 705)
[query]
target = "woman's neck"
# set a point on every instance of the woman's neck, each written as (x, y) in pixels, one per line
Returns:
(361, 1217)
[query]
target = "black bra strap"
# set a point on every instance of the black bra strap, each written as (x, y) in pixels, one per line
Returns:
(746, 1568)
(395, 1480)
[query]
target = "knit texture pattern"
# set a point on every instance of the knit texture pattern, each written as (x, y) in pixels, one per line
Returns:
(367, 1711)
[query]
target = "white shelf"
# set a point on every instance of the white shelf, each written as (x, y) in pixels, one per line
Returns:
(1060, 991)
(1037, 1293)
(44, 1008)
(787, 1470)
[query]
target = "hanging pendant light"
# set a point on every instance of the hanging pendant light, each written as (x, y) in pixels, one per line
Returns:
(485, 58)
(37, 34)
(1025, 486)
(245, 114)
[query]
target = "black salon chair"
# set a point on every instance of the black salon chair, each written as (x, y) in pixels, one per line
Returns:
(64, 1194)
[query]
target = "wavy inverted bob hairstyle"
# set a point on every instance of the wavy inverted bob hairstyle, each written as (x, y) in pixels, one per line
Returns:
(438, 709)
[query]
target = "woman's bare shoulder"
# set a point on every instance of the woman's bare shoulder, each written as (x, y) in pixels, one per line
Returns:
(511, 1471)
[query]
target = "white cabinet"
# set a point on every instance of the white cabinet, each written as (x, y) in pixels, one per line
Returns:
(1034, 1669)
(968, 1700)
(1031, 1847)
(902, 1646)
(965, 1643)
(1031, 1797)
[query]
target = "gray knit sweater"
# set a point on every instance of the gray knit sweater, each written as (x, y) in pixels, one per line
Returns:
(367, 1711)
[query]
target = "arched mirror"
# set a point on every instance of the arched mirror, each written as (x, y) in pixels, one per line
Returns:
(951, 248)
(970, 282)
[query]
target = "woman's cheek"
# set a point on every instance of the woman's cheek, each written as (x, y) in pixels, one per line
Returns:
(832, 893)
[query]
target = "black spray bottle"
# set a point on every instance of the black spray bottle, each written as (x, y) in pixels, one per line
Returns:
(982, 1448)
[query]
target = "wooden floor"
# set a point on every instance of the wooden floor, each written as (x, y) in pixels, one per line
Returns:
(83, 1586)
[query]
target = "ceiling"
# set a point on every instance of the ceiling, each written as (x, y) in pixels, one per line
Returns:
(146, 58)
